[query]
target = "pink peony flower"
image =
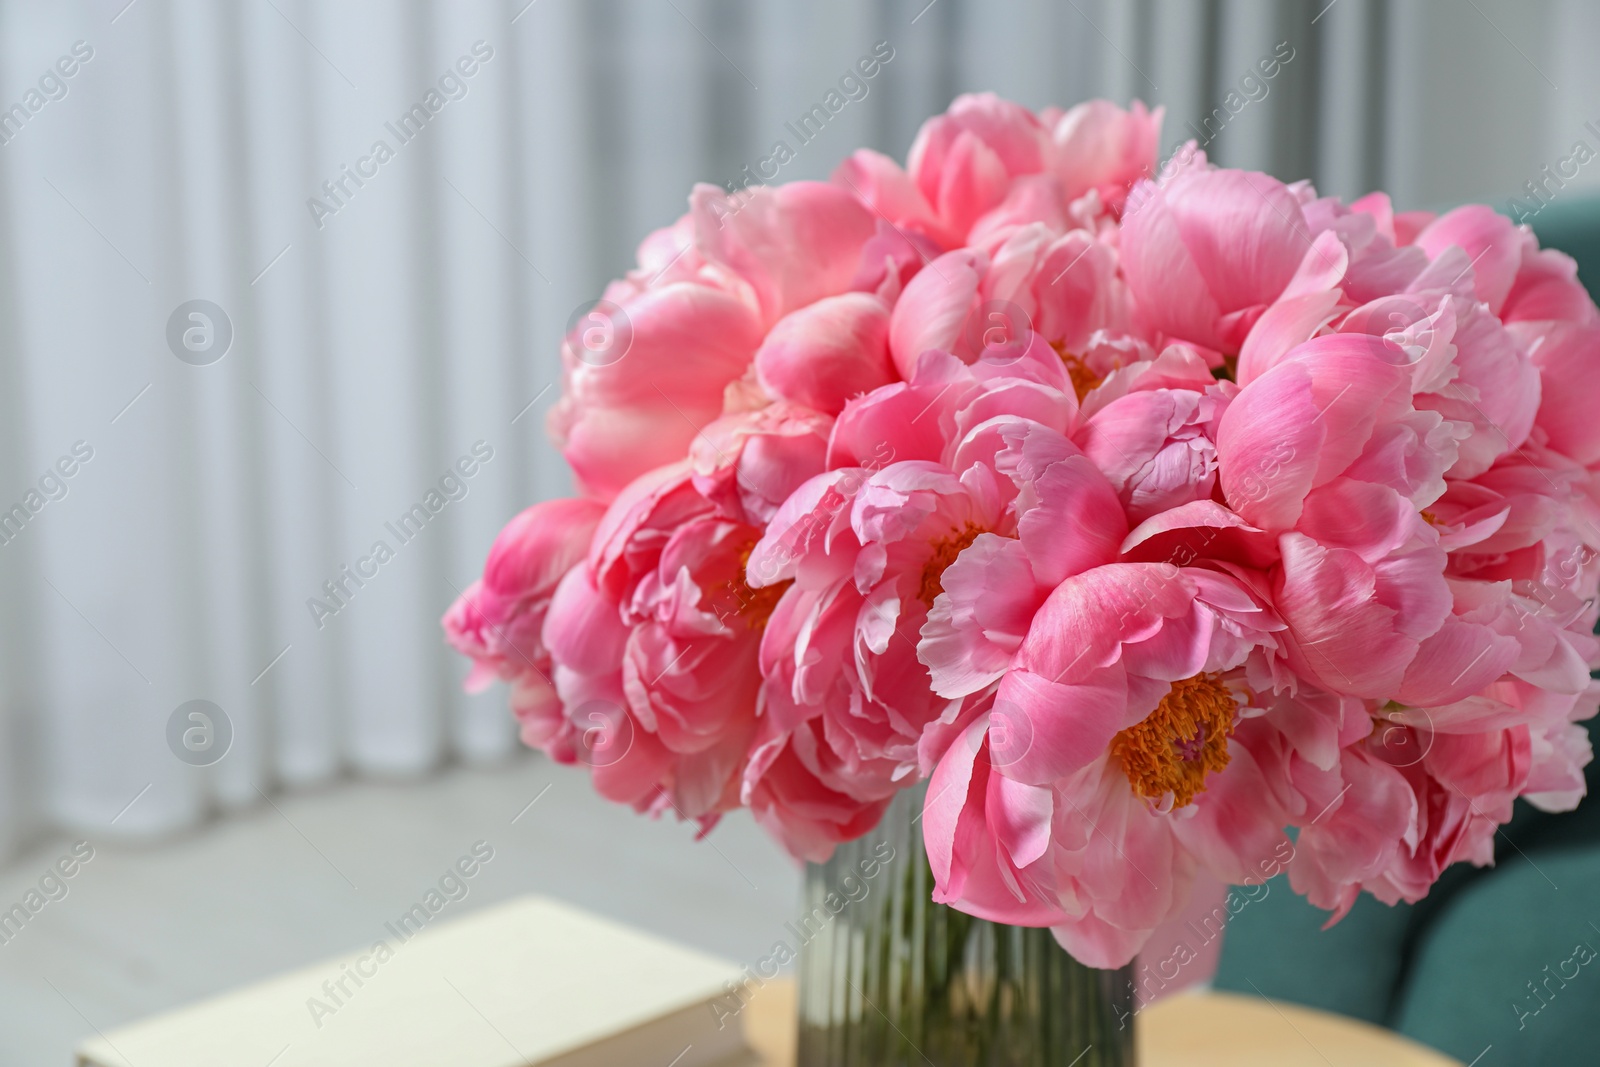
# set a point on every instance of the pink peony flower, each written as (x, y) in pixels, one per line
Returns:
(750, 463)
(1110, 736)
(927, 416)
(963, 161)
(827, 353)
(1065, 518)
(865, 551)
(689, 327)
(1566, 355)
(1146, 515)
(1207, 252)
(630, 406)
(1157, 447)
(657, 634)
(988, 164)
(1098, 146)
(1361, 580)
(1060, 287)
(498, 621)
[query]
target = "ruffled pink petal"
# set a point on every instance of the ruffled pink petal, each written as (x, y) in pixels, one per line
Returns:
(970, 179)
(1457, 661)
(1096, 943)
(1156, 448)
(1200, 529)
(791, 244)
(1097, 145)
(1349, 619)
(823, 355)
(1302, 424)
(889, 190)
(1061, 727)
(933, 311)
(1209, 245)
(970, 867)
(1547, 289)
(1237, 825)
(1355, 836)
(978, 622)
(639, 406)
(1568, 360)
(1491, 241)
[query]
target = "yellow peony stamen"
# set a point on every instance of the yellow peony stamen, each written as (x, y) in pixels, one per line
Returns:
(1179, 743)
(945, 551)
(1083, 377)
(751, 603)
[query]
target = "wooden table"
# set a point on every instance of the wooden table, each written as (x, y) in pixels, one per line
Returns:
(1187, 1030)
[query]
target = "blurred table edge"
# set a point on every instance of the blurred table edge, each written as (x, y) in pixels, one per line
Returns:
(1187, 1030)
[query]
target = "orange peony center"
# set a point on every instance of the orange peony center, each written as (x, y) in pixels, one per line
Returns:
(754, 605)
(1179, 743)
(945, 551)
(1083, 377)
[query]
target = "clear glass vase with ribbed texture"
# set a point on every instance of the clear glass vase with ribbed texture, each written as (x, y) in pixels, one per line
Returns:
(890, 979)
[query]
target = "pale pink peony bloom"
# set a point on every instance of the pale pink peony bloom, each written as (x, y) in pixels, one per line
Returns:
(661, 631)
(828, 353)
(1062, 287)
(1099, 146)
(963, 161)
(1206, 253)
(498, 621)
(748, 464)
(1110, 737)
(944, 470)
(691, 323)
(865, 551)
(988, 164)
(1157, 447)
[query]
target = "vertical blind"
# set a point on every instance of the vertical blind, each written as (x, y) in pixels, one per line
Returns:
(282, 284)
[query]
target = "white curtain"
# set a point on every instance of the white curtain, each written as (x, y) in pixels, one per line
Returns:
(387, 324)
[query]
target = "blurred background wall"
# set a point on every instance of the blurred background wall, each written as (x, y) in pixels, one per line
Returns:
(372, 321)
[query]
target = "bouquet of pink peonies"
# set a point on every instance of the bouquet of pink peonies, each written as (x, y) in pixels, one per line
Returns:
(1147, 513)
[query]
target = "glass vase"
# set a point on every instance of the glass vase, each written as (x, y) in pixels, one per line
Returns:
(890, 979)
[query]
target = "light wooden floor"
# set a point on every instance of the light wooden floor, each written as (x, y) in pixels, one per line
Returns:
(147, 928)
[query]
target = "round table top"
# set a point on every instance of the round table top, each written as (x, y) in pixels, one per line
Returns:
(1186, 1030)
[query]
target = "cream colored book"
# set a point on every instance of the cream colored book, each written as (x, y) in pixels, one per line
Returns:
(533, 981)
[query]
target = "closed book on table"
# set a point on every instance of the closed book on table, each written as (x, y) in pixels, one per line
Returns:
(529, 982)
